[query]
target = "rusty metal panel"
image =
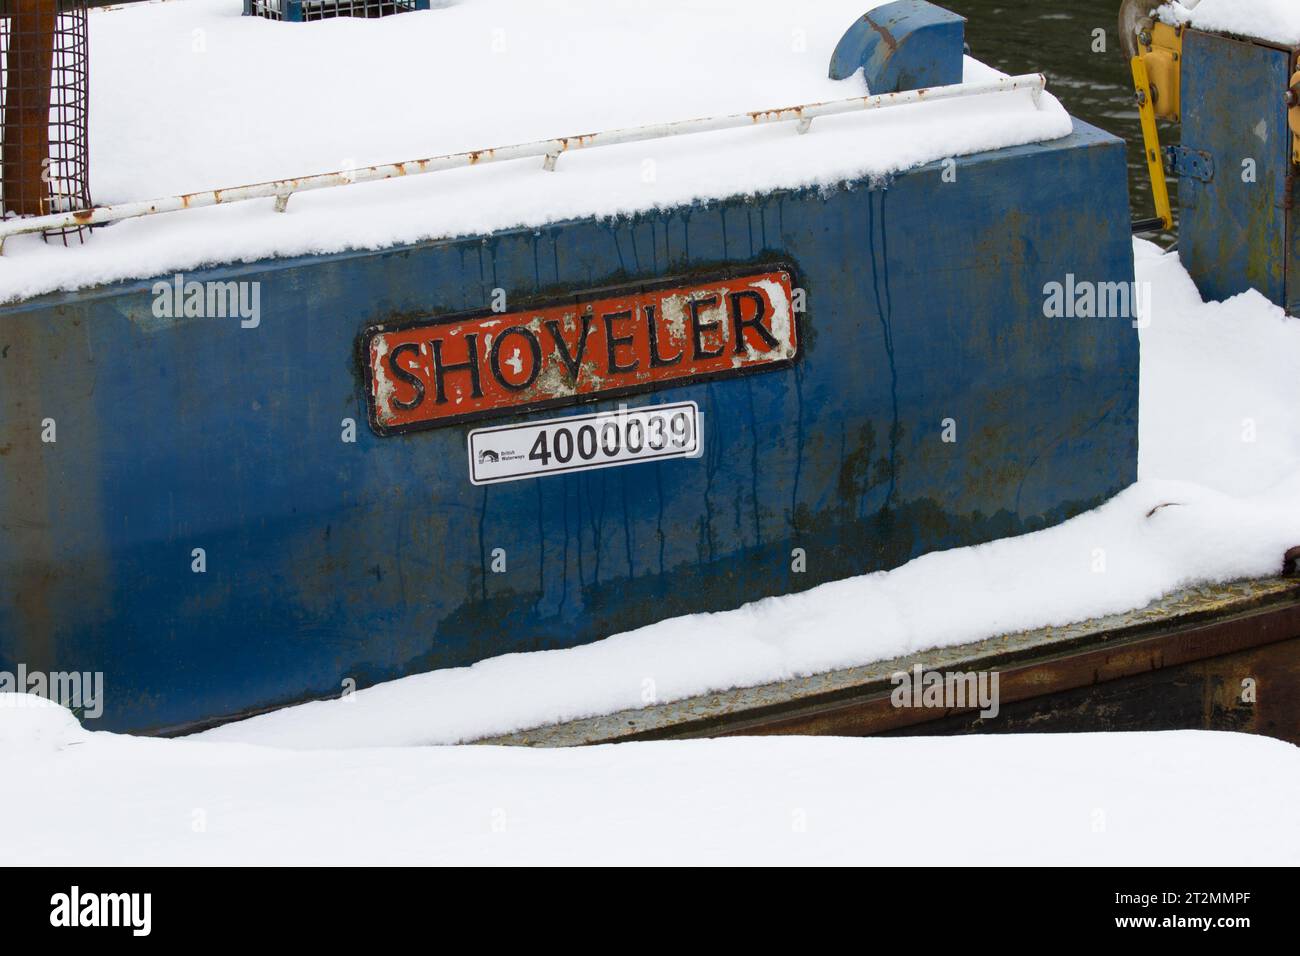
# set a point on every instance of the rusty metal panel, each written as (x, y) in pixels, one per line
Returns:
(44, 105)
(329, 559)
(1254, 691)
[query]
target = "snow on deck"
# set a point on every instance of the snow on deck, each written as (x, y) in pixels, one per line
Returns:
(1274, 21)
(1145, 798)
(1219, 442)
(188, 95)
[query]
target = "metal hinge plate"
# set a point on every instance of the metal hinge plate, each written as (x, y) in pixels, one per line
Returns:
(1194, 163)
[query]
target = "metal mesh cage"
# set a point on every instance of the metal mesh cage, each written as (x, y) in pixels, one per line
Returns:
(303, 10)
(44, 91)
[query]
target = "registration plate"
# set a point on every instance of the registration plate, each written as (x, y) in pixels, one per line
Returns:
(583, 442)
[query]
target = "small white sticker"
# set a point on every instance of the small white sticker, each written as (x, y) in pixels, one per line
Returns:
(583, 442)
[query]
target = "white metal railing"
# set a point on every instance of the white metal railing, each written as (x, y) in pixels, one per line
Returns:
(549, 149)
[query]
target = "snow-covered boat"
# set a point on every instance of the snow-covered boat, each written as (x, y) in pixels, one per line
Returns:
(407, 342)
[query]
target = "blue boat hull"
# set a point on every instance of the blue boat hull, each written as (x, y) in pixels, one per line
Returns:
(329, 561)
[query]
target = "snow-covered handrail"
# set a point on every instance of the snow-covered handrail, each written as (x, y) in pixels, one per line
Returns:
(549, 149)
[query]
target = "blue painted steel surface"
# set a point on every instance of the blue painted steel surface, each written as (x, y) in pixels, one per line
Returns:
(1233, 230)
(906, 45)
(327, 560)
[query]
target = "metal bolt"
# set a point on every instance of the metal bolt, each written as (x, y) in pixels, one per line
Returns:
(1144, 38)
(1142, 97)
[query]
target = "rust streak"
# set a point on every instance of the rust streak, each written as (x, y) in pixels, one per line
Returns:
(885, 35)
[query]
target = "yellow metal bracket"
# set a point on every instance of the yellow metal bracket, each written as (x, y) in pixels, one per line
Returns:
(1162, 52)
(1293, 113)
(1151, 142)
(1157, 77)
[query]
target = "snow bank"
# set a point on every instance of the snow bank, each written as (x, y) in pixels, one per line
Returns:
(1274, 21)
(189, 95)
(1220, 444)
(1219, 389)
(1051, 799)
(31, 724)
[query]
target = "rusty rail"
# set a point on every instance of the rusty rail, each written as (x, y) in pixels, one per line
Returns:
(549, 149)
(1253, 625)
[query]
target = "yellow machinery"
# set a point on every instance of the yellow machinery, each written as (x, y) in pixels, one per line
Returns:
(1236, 100)
(1154, 51)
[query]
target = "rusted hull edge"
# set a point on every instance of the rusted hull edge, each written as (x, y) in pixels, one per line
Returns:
(1189, 626)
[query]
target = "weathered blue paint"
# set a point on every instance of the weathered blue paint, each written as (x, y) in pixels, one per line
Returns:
(905, 45)
(1233, 231)
(328, 560)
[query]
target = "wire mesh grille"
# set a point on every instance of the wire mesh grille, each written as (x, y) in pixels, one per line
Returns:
(44, 96)
(324, 9)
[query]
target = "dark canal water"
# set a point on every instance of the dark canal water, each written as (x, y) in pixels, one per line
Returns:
(1038, 36)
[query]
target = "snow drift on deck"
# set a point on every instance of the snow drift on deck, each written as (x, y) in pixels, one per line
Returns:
(188, 95)
(1274, 21)
(96, 798)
